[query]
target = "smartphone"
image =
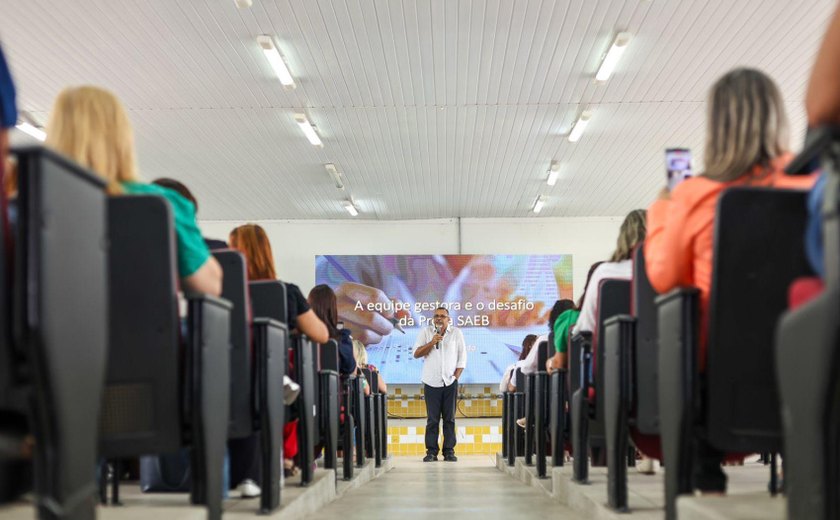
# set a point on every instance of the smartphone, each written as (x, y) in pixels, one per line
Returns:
(678, 166)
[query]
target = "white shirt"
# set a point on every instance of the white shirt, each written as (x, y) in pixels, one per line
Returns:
(528, 365)
(608, 270)
(440, 363)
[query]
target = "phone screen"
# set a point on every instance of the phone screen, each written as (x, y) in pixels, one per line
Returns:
(678, 166)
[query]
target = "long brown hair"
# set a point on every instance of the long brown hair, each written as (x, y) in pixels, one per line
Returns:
(323, 302)
(632, 233)
(252, 241)
(746, 125)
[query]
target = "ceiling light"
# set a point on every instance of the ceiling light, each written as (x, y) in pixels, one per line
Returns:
(308, 130)
(336, 175)
(242, 4)
(553, 173)
(350, 207)
(539, 203)
(613, 55)
(580, 126)
(32, 130)
(276, 61)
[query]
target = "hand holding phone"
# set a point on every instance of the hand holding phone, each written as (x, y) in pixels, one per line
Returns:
(677, 165)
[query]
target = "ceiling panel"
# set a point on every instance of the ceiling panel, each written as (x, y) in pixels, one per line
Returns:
(430, 108)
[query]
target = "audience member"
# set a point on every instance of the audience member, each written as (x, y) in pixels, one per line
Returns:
(746, 145)
(89, 125)
(563, 326)
(619, 266)
(252, 241)
(323, 302)
(360, 353)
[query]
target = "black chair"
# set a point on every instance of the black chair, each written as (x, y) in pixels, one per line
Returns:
(235, 290)
(304, 369)
(54, 336)
(348, 384)
(163, 393)
(808, 361)
(372, 441)
(631, 379)
(256, 376)
(541, 419)
(328, 405)
(530, 416)
(758, 251)
(382, 397)
(516, 441)
(580, 361)
(588, 413)
(558, 415)
(359, 412)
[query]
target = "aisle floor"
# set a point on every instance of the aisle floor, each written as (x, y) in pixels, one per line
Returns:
(469, 488)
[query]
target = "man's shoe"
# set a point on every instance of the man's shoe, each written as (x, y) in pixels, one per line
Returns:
(430, 458)
(450, 458)
(248, 489)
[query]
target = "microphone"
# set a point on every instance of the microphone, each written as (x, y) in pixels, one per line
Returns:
(437, 331)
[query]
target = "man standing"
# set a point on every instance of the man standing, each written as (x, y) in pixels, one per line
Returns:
(444, 356)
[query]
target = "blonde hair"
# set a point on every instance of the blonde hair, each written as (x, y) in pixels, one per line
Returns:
(252, 241)
(90, 125)
(360, 353)
(632, 233)
(746, 125)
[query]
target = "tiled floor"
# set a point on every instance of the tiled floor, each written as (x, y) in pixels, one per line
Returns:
(471, 488)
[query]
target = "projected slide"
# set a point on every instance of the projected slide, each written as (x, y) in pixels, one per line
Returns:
(496, 300)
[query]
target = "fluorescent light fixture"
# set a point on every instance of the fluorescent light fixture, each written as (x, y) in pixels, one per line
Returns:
(553, 173)
(242, 4)
(276, 61)
(336, 175)
(617, 48)
(539, 203)
(350, 207)
(308, 130)
(32, 130)
(580, 126)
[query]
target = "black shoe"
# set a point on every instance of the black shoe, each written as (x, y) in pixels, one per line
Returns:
(450, 458)
(430, 458)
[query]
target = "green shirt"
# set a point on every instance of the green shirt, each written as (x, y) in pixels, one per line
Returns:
(192, 251)
(562, 325)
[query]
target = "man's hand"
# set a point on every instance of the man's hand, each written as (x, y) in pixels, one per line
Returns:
(437, 338)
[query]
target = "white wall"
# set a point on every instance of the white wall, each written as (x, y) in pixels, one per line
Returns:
(297, 242)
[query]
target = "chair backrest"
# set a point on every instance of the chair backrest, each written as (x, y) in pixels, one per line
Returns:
(519, 378)
(613, 299)
(235, 290)
(329, 356)
(546, 350)
(268, 300)
(758, 251)
(576, 343)
(139, 413)
(646, 361)
(60, 300)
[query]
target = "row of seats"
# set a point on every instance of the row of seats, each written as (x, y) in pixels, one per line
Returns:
(104, 360)
(771, 383)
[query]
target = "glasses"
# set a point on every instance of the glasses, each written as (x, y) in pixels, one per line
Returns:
(441, 316)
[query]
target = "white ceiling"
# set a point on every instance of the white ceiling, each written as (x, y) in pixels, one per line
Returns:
(430, 108)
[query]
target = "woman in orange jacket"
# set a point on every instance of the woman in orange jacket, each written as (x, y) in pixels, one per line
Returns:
(746, 145)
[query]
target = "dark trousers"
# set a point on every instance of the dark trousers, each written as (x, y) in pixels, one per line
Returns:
(440, 403)
(244, 459)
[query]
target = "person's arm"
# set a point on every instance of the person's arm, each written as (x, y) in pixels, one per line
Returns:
(206, 279)
(310, 324)
(822, 101)
(667, 243)
(422, 349)
(555, 362)
(383, 388)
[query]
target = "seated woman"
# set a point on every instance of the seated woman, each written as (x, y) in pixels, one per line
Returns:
(746, 145)
(252, 241)
(619, 266)
(90, 126)
(527, 344)
(323, 302)
(563, 326)
(360, 353)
